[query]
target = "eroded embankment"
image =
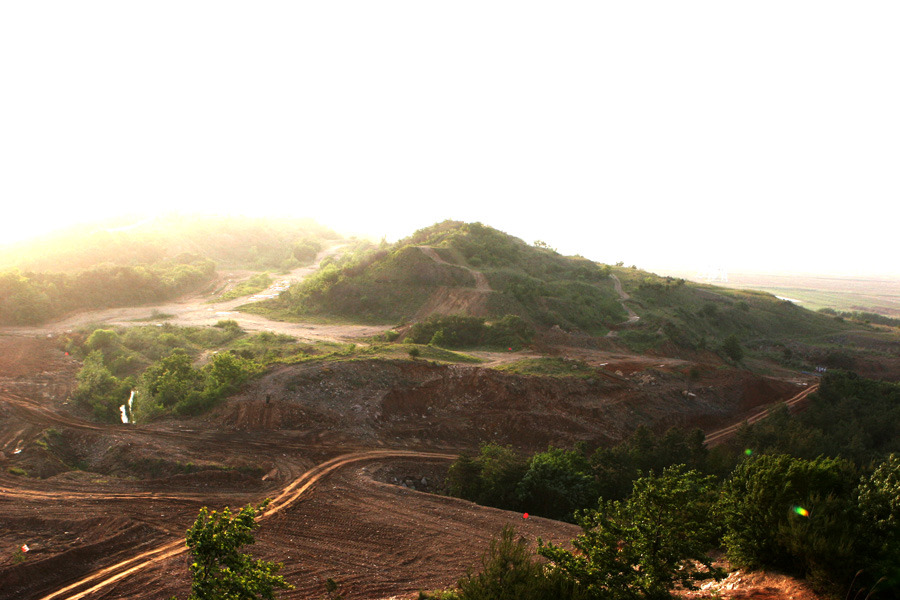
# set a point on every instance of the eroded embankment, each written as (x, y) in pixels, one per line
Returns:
(421, 403)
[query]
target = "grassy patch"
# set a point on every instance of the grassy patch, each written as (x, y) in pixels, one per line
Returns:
(253, 285)
(155, 315)
(17, 471)
(550, 367)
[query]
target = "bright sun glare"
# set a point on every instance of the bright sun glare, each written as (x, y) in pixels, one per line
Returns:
(670, 135)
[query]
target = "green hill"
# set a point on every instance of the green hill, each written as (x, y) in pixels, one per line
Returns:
(455, 267)
(700, 316)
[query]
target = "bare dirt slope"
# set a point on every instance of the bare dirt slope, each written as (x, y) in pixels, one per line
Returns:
(137, 488)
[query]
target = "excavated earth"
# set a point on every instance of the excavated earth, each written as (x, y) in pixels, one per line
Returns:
(84, 496)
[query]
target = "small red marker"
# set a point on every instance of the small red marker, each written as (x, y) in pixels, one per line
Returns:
(525, 516)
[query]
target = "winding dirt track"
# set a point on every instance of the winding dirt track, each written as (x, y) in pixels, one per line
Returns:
(623, 296)
(722, 435)
(197, 311)
(289, 495)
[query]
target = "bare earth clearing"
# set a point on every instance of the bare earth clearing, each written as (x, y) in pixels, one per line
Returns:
(330, 446)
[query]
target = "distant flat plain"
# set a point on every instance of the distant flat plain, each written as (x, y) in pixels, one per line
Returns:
(868, 294)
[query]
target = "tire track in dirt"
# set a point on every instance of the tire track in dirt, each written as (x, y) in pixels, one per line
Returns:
(288, 496)
(481, 281)
(722, 435)
(623, 296)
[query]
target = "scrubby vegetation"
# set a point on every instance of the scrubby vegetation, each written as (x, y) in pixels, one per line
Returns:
(736, 324)
(155, 261)
(253, 285)
(459, 331)
(160, 363)
(391, 283)
(862, 317)
(826, 512)
(30, 298)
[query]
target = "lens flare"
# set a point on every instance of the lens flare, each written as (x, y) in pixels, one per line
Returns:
(801, 511)
(748, 452)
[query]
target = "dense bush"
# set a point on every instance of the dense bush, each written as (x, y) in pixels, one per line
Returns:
(459, 331)
(101, 391)
(794, 514)
(557, 483)
(617, 467)
(174, 384)
(849, 417)
(158, 362)
(31, 298)
(644, 546)
(510, 571)
(489, 478)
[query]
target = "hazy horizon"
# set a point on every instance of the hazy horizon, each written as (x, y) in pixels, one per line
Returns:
(689, 136)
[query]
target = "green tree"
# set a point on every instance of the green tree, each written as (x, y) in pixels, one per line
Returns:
(510, 572)
(646, 545)
(100, 390)
(173, 379)
(557, 483)
(732, 348)
(789, 513)
(879, 501)
(220, 571)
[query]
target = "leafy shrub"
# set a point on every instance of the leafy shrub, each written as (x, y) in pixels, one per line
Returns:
(99, 390)
(646, 545)
(792, 514)
(459, 331)
(556, 484)
(490, 478)
(510, 572)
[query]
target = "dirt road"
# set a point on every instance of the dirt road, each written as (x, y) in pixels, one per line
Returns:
(481, 280)
(722, 435)
(623, 296)
(289, 495)
(197, 311)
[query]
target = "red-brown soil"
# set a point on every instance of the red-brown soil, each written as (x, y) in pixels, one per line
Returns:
(133, 492)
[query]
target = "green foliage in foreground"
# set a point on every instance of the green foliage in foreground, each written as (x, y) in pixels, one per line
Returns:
(509, 571)
(639, 548)
(814, 518)
(646, 545)
(220, 571)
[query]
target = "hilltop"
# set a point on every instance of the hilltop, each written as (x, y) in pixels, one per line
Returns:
(453, 274)
(459, 268)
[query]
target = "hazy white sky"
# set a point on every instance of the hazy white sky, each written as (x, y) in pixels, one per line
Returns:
(761, 135)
